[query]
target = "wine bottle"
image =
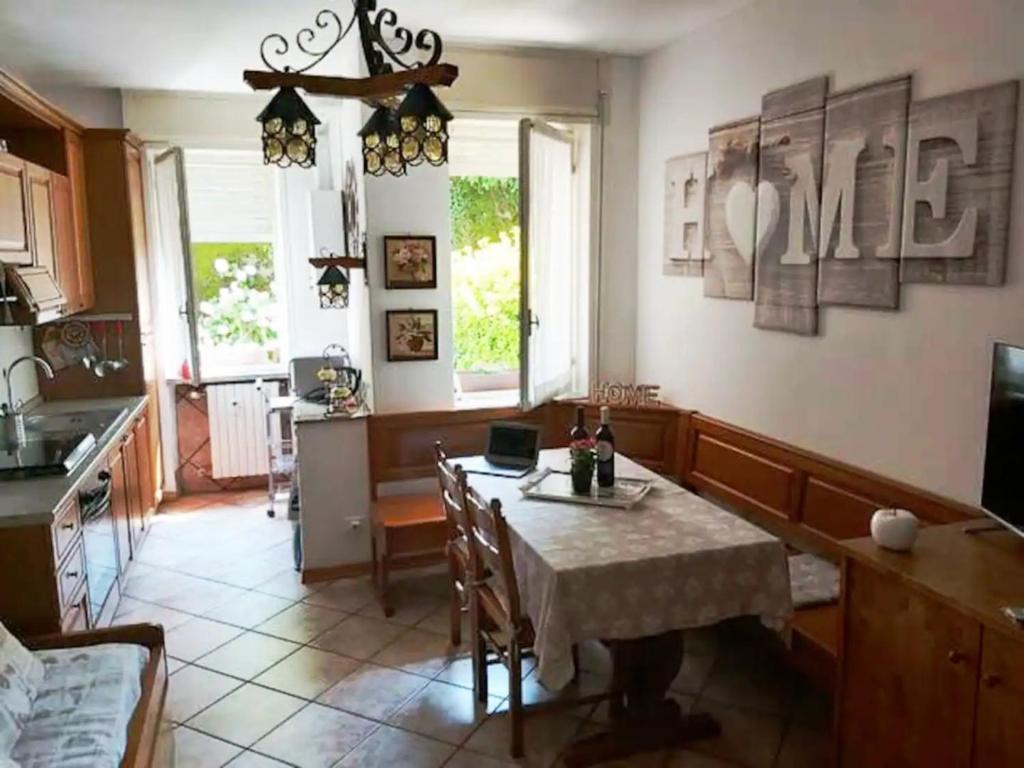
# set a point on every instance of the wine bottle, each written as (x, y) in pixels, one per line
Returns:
(579, 432)
(605, 451)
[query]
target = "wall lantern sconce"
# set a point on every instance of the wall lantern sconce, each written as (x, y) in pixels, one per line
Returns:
(333, 288)
(289, 130)
(393, 139)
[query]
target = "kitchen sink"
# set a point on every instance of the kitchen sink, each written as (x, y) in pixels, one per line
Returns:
(96, 422)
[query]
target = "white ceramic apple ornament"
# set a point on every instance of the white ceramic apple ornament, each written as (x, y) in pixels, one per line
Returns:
(894, 529)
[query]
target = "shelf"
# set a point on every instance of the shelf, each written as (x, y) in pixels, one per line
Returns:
(345, 262)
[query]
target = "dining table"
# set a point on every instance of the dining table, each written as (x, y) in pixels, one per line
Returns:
(635, 579)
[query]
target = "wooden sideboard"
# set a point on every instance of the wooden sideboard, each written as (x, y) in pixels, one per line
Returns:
(931, 671)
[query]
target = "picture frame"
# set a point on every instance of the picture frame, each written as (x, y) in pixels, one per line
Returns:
(410, 262)
(411, 334)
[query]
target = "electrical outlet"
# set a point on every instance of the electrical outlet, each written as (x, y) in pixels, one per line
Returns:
(355, 523)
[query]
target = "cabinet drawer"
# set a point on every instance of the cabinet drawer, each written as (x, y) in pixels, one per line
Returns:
(67, 527)
(70, 577)
(76, 617)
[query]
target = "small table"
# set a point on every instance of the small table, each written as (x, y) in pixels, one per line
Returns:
(636, 578)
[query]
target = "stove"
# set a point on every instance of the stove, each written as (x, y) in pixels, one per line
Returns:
(44, 455)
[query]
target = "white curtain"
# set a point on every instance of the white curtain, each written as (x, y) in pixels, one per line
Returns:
(550, 263)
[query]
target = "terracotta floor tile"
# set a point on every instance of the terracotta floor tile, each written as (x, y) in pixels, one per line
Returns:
(390, 747)
(466, 759)
(308, 672)
(748, 737)
(246, 715)
(248, 655)
(372, 691)
(546, 737)
(316, 737)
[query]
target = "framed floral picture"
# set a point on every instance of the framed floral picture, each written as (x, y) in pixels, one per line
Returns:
(410, 261)
(411, 334)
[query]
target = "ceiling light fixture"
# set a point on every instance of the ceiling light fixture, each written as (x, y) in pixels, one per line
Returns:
(393, 138)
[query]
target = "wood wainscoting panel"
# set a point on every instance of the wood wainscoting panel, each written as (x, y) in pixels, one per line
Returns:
(836, 512)
(742, 477)
(816, 498)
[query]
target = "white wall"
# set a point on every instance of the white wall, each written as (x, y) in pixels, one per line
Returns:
(92, 107)
(901, 393)
(416, 204)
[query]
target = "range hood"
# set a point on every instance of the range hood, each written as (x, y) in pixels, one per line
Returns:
(29, 296)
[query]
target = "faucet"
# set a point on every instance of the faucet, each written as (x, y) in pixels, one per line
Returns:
(13, 419)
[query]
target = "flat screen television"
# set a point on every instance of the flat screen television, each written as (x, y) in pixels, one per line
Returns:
(1002, 494)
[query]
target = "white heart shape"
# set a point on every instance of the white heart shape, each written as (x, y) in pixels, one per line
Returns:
(740, 209)
(768, 209)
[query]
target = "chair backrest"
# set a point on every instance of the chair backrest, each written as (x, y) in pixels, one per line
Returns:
(452, 485)
(491, 551)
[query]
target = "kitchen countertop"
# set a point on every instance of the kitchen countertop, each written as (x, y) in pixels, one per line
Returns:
(304, 411)
(32, 501)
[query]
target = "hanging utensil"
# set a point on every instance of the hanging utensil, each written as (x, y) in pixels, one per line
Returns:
(100, 367)
(121, 362)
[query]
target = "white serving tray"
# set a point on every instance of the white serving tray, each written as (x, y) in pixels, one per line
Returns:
(557, 486)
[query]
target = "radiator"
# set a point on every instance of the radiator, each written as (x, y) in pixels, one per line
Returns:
(238, 430)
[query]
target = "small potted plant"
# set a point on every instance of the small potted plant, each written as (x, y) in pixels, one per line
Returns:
(582, 460)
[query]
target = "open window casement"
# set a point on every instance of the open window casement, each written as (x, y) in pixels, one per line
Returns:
(555, 278)
(175, 240)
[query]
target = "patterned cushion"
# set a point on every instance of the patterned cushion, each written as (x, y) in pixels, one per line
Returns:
(20, 676)
(813, 580)
(82, 710)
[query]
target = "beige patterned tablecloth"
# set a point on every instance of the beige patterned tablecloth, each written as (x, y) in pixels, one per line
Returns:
(675, 561)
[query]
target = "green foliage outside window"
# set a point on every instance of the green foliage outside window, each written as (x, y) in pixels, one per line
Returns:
(234, 285)
(485, 270)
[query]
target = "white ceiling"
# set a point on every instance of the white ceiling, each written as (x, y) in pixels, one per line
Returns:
(204, 44)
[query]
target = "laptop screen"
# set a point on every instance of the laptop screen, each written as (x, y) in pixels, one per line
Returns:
(512, 441)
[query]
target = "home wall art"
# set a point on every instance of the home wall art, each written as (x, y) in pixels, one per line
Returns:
(838, 199)
(411, 334)
(786, 265)
(684, 214)
(862, 195)
(731, 209)
(956, 206)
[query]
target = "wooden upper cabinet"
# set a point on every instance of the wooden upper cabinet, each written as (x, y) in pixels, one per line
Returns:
(909, 678)
(15, 226)
(44, 240)
(999, 728)
(76, 175)
(66, 244)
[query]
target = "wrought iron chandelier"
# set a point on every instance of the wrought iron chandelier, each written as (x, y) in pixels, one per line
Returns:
(395, 137)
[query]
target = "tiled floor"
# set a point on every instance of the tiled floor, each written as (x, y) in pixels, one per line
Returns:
(267, 672)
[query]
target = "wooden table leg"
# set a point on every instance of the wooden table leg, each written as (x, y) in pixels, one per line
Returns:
(647, 719)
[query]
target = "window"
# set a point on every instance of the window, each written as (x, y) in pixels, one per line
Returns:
(502, 315)
(217, 217)
(484, 162)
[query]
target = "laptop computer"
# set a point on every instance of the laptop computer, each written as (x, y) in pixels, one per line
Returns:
(512, 451)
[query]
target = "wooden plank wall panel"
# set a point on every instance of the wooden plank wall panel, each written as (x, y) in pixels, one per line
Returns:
(827, 500)
(743, 476)
(836, 512)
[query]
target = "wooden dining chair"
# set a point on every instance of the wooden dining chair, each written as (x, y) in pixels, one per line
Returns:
(496, 616)
(452, 486)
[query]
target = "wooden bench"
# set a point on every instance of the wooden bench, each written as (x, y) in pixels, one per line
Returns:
(810, 502)
(409, 531)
